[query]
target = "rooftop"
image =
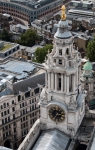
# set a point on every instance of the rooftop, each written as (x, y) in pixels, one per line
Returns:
(7, 15)
(6, 47)
(87, 66)
(32, 3)
(19, 68)
(33, 49)
(4, 148)
(31, 82)
(52, 140)
(22, 26)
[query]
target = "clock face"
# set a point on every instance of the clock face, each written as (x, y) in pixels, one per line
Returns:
(56, 113)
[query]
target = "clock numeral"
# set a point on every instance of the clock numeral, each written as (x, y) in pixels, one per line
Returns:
(56, 120)
(56, 107)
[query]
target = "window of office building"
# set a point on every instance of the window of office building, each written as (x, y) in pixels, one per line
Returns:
(12, 101)
(13, 109)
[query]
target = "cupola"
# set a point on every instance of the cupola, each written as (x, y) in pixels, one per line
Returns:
(87, 66)
(63, 28)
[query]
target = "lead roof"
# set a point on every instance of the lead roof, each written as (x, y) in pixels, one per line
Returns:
(52, 140)
(31, 82)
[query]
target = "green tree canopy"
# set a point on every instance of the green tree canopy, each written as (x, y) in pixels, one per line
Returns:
(5, 35)
(41, 53)
(90, 51)
(28, 38)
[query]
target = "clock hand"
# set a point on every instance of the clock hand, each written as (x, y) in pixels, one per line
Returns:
(56, 114)
(59, 114)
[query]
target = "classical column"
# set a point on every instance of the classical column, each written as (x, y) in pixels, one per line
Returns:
(79, 73)
(49, 80)
(77, 76)
(46, 78)
(62, 83)
(52, 81)
(56, 81)
(73, 82)
(57, 61)
(57, 51)
(67, 83)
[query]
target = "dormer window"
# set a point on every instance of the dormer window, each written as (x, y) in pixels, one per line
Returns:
(67, 51)
(60, 51)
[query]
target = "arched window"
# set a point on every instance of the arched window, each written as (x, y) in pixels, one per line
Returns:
(4, 105)
(54, 60)
(1, 107)
(12, 101)
(7, 104)
(60, 61)
(70, 64)
(60, 51)
(67, 51)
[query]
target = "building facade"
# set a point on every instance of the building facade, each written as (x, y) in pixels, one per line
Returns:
(27, 10)
(19, 110)
(62, 104)
(6, 52)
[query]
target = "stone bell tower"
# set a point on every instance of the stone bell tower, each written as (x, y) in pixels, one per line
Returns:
(62, 101)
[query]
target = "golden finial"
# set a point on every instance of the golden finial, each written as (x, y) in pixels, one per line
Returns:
(63, 15)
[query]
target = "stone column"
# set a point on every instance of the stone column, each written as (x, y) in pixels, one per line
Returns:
(56, 81)
(79, 73)
(67, 83)
(49, 80)
(52, 81)
(46, 78)
(62, 83)
(77, 77)
(73, 83)
(57, 51)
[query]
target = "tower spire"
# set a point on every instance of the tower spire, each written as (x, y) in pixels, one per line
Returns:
(63, 14)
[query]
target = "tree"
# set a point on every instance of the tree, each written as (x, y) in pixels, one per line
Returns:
(28, 38)
(41, 53)
(90, 51)
(5, 35)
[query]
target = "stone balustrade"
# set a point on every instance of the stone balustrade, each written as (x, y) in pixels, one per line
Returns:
(31, 137)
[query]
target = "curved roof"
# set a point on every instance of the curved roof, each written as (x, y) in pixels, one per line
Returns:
(63, 30)
(87, 66)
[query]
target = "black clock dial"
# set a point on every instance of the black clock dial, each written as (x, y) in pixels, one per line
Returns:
(57, 114)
